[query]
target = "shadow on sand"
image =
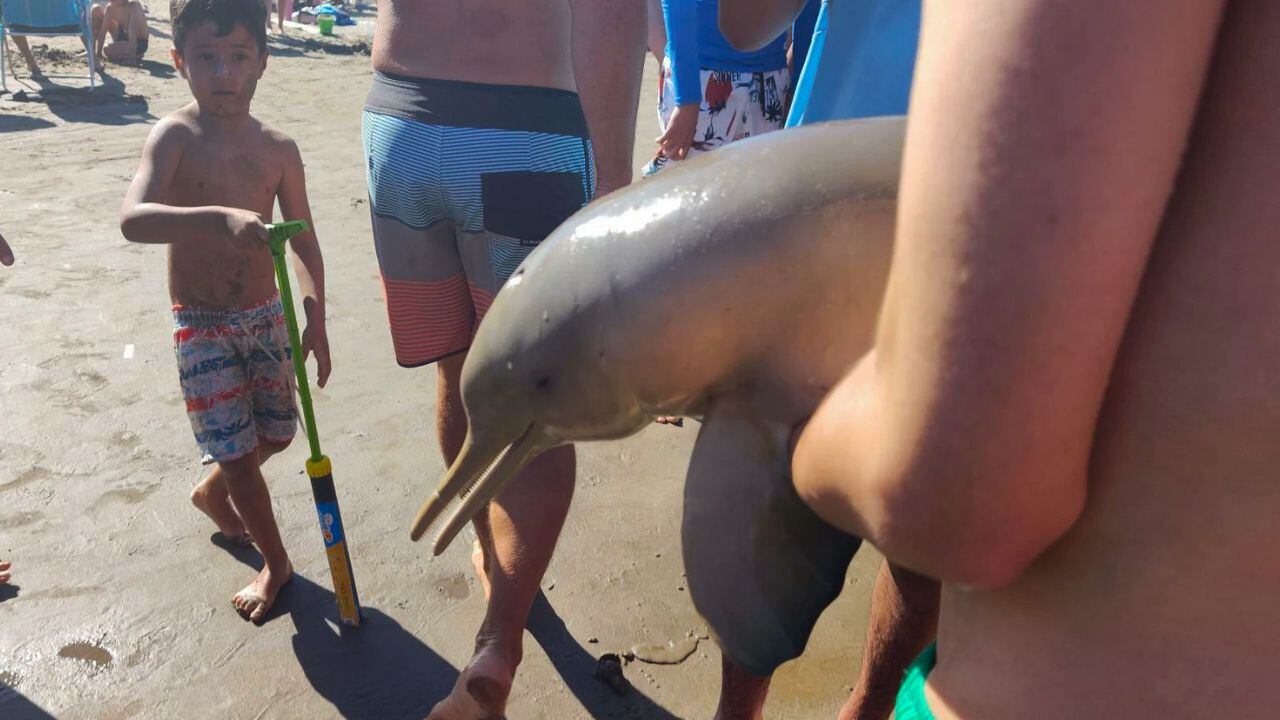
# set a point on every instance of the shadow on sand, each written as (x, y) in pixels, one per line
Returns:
(379, 670)
(17, 123)
(576, 667)
(14, 706)
(107, 104)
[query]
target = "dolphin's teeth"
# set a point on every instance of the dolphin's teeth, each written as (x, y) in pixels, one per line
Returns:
(472, 498)
(450, 507)
(466, 489)
(443, 513)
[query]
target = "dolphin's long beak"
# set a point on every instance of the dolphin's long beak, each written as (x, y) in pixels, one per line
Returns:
(479, 473)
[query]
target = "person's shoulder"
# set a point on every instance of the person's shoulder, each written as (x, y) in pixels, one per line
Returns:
(174, 129)
(279, 141)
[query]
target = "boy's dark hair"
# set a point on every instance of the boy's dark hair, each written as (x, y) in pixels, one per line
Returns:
(184, 15)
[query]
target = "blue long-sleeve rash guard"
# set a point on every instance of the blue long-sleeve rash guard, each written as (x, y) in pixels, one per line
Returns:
(694, 43)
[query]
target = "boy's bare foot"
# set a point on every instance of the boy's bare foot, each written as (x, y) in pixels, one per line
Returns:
(481, 690)
(4, 572)
(213, 501)
(257, 597)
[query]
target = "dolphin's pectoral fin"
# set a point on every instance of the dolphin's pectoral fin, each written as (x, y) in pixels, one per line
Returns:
(761, 566)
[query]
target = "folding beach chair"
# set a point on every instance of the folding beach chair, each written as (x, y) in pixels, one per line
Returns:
(44, 18)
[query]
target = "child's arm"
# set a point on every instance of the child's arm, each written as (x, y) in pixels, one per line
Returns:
(308, 264)
(146, 216)
(681, 17)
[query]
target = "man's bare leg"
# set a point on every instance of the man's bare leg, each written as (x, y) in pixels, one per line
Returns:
(742, 694)
(517, 538)
(284, 8)
(252, 501)
(210, 497)
(904, 620)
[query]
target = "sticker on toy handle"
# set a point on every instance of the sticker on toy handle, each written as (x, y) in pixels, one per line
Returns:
(330, 523)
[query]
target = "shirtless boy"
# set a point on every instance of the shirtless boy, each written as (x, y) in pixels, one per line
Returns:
(210, 174)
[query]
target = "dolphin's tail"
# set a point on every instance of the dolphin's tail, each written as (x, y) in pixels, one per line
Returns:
(478, 473)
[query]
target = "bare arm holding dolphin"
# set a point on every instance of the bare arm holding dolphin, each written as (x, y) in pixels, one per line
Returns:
(1030, 199)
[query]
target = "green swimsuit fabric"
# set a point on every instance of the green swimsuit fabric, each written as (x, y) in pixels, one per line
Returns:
(911, 704)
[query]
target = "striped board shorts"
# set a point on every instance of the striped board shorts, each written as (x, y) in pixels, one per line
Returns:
(465, 180)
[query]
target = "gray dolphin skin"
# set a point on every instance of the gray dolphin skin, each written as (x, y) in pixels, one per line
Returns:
(736, 287)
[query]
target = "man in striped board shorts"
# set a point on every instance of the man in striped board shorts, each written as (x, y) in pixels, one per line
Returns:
(477, 146)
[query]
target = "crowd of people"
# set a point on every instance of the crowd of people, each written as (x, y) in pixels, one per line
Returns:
(1062, 440)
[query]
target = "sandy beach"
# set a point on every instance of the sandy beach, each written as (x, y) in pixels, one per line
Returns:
(120, 602)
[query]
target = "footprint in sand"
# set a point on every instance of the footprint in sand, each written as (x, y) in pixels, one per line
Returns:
(126, 440)
(453, 586)
(30, 475)
(72, 381)
(67, 358)
(126, 496)
(20, 519)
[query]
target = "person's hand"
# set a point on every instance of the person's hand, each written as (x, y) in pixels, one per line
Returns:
(246, 229)
(6, 255)
(676, 141)
(316, 339)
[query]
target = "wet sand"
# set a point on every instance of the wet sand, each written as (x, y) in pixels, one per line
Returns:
(120, 602)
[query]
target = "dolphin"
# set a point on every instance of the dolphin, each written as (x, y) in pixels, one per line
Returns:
(737, 287)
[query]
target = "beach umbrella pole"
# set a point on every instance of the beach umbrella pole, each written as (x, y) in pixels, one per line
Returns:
(319, 468)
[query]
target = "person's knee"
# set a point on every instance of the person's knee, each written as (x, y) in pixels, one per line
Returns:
(449, 379)
(449, 370)
(242, 470)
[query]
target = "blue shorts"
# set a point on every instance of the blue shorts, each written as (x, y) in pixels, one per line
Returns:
(465, 180)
